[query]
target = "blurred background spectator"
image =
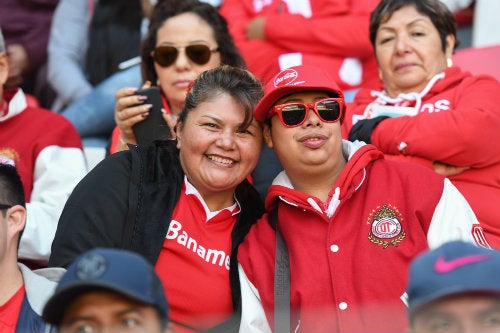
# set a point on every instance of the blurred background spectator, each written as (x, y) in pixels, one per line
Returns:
(485, 28)
(26, 26)
(93, 51)
(47, 152)
(276, 34)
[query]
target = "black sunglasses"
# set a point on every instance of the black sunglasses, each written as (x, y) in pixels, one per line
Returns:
(3, 206)
(294, 114)
(165, 55)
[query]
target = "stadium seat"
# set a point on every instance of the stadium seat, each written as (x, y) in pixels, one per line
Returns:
(479, 60)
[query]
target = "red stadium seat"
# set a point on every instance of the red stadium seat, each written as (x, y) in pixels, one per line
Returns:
(479, 60)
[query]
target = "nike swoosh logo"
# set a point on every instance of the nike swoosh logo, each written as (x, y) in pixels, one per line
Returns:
(442, 266)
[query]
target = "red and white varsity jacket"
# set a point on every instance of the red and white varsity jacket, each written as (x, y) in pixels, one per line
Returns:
(349, 256)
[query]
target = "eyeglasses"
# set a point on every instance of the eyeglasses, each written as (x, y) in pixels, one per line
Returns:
(3, 206)
(294, 114)
(165, 55)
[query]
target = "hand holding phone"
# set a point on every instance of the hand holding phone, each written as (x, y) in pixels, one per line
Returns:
(154, 126)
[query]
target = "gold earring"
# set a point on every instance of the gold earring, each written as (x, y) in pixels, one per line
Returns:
(449, 62)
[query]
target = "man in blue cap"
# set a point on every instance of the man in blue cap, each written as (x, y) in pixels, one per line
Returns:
(455, 288)
(109, 290)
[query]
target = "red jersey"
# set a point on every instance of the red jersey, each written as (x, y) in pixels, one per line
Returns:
(194, 263)
(9, 311)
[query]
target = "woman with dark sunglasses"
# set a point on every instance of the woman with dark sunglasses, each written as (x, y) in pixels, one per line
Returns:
(184, 39)
(350, 221)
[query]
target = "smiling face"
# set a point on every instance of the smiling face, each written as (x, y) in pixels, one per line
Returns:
(180, 31)
(409, 52)
(215, 153)
(312, 149)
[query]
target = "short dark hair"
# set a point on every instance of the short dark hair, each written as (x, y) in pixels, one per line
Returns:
(438, 13)
(11, 190)
(11, 186)
(167, 9)
(237, 82)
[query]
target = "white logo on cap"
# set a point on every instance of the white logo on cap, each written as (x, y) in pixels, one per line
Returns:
(90, 267)
(286, 77)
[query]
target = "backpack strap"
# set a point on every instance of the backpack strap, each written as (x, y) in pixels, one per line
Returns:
(281, 280)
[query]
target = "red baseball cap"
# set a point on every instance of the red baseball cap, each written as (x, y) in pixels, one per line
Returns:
(291, 80)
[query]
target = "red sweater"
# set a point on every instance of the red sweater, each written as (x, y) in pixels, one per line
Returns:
(198, 245)
(332, 34)
(24, 135)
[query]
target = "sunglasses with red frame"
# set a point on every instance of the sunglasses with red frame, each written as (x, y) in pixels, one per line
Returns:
(294, 114)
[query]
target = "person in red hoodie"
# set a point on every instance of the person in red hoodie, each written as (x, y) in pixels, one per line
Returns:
(429, 111)
(350, 220)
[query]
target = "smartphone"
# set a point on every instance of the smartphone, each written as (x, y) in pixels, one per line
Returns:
(154, 126)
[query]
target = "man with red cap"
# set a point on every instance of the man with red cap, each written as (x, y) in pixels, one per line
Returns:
(342, 223)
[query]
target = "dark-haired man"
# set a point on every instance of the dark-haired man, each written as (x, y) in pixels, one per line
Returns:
(22, 291)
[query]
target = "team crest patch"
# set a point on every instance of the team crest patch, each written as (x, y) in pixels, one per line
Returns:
(386, 228)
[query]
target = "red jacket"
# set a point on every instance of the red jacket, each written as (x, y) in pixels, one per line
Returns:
(26, 131)
(47, 151)
(332, 34)
(349, 268)
(457, 123)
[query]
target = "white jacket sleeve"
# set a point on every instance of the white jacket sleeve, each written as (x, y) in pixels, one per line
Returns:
(253, 317)
(57, 171)
(454, 219)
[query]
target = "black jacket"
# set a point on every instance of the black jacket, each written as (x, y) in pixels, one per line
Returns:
(127, 202)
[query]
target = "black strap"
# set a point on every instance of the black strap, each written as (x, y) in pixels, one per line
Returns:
(281, 280)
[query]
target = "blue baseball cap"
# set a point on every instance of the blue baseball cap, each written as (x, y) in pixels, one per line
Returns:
(453, 268)
(117, 270)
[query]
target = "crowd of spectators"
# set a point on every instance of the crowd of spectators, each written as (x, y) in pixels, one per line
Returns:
(69, 74)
